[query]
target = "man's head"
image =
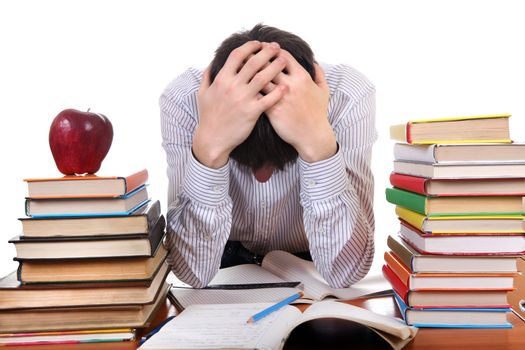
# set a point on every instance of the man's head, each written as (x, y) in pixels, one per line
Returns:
(264, 147)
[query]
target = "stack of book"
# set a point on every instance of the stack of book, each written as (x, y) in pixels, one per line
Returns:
(91, 262)
(458, 186)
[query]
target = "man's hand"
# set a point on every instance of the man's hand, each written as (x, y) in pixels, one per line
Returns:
(300, 117)
(230, 106)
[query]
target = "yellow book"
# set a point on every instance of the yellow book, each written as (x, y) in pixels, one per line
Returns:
(492, 128)
(479, 224)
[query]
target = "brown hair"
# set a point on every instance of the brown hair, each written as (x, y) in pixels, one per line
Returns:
(263, 146)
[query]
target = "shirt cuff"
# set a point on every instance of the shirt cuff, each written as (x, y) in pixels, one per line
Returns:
(324, 179)
(206, 185)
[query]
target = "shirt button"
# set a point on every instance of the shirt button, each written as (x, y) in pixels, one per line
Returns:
(217, 189)
(207, 237)
(310, 183)
(322, 231)
(263, 204)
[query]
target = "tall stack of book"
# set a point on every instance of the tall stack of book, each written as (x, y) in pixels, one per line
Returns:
(458, 186)
(91, 262)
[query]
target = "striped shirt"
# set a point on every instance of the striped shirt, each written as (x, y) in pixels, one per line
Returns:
(324, 207)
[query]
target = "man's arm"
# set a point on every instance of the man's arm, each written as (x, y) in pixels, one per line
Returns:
(336, 189)
(199, 213)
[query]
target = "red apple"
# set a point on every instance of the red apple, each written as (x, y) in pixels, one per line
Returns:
(80, 141)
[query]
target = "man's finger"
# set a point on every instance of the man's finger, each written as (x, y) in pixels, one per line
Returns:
(237, 57)
(265, 76)
(268, 88)
(269, 100)
(205, 82)
(258, 61)
(320, 79)
(292, 66)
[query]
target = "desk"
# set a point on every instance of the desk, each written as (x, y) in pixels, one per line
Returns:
(330, 334)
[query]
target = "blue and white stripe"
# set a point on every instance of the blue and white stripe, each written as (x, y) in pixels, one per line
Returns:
(324, 207)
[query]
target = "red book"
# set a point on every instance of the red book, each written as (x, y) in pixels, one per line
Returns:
(459, 187)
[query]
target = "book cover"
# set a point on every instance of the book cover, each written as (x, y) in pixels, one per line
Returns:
(140, 220)
(90, 185)
(459, 187)
(469, 129)
(453, 317)
(112, 206)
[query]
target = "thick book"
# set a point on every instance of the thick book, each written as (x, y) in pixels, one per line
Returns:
(450, 281)
(139, 221)
(482, 224)
(277, 267)
(108, 206)
(448, 298)
(456, 206)
(139, 245)
(67, 337)
(462, 244)
(226, 326)
(472, 129)
(460, 170)
(14, 295)
(90, 185)
(93, 317)
(459, 187)
(106, 270)
(436, 153)
(419, 262)
(454, 317)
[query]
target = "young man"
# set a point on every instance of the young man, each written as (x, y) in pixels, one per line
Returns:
(266, 150)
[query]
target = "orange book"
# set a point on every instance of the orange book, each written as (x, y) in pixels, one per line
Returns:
(85, 186)
(449, 281)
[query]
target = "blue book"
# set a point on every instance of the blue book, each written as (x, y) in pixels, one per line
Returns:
(453, 317)
(106, 206)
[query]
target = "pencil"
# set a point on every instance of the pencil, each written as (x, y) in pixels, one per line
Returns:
(275, 307)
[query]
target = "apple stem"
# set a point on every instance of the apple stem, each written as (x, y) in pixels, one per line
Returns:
(89, 109)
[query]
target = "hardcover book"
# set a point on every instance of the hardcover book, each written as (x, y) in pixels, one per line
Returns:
(76, 186)
(454, 317)
(460, 170)
(418, 262)
(110, 206)
(480, 224)
(140, 245)
(471, 129)
(436, 153)
(459, 187)
(138, 221)
(14, 295)
(456, 206)
(463, 244)
(93, 317)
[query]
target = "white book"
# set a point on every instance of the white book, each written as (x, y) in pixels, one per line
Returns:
(459, 153)
(224, 326)
(277, 267)
(460, 170)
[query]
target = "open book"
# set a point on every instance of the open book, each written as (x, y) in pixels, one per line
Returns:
(277, 267)
(226, 326)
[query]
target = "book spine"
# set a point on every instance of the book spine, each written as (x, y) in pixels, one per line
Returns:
(134, 181)
(410, 183)
(399, 287)
(401, 271)
(413, 218)
(415, 153)
(409, 200)
(408, 132)
(400, 251)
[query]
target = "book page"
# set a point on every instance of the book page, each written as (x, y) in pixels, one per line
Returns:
(291, 268)
(240, 274)
(393, 330)
(224, 326)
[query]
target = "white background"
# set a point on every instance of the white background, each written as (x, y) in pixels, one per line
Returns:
(426, 58)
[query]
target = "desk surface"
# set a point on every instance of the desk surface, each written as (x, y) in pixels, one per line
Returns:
(332, 334)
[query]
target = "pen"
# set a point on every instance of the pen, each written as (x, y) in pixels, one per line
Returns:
(155, 330)
(274, 307)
